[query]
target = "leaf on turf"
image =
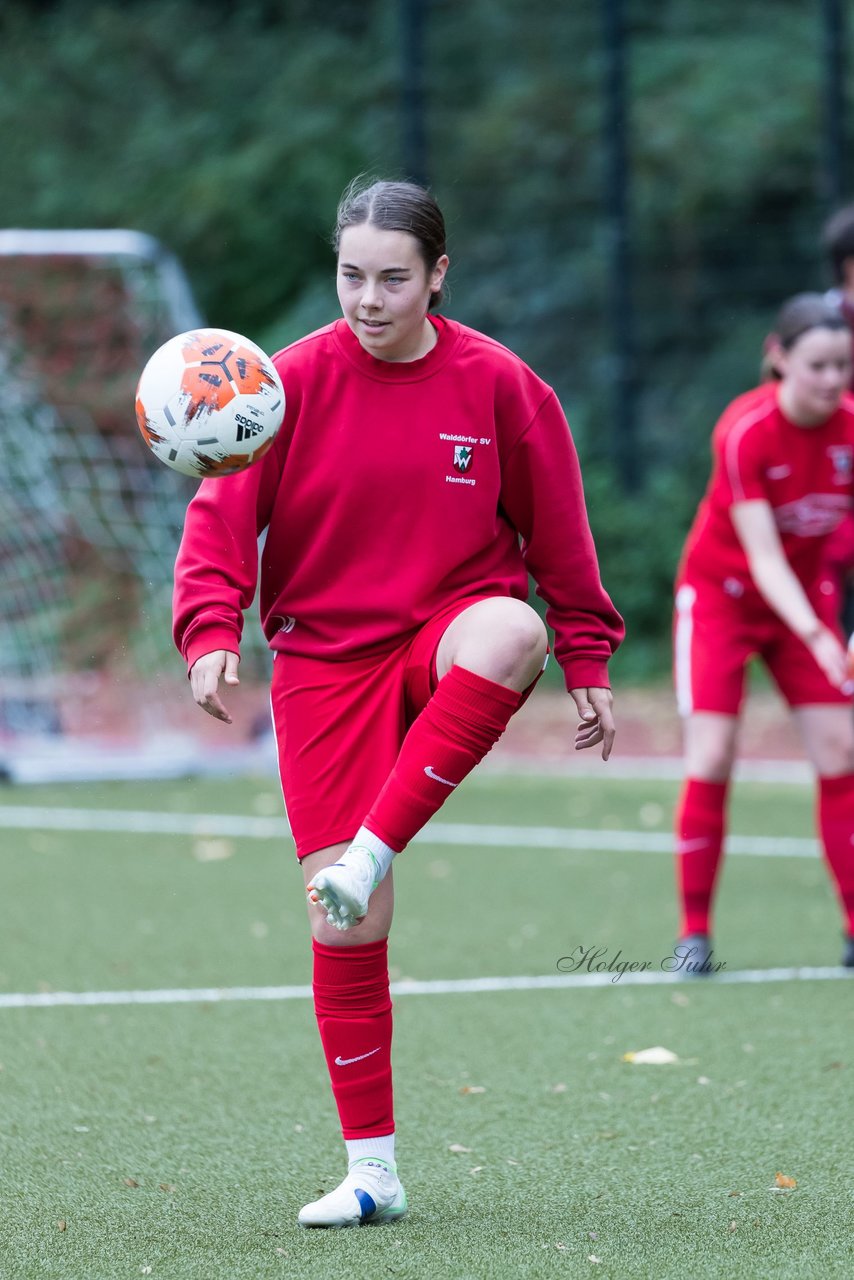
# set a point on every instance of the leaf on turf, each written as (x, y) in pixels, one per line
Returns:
(558, 1088)
(458, 1149)
(657, 1056)
(167, 1186)
(591, 1257)
(472, 1088)
(208, 849)
(478, 1168)
(62, 1225)
(784, 1183)
(130, 1182)
(733, 1226)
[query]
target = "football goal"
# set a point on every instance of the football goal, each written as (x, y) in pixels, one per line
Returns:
(89, 520)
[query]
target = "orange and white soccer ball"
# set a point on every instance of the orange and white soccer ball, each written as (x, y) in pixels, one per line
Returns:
(209, 403)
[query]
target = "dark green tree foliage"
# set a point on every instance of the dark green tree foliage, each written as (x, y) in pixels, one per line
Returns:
(228, 131)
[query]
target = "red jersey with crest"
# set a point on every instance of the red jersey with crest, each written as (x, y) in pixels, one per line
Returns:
(805, 473)
(839, 551)
(391, 491)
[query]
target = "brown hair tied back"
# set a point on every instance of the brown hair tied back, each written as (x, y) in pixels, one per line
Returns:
(797, 316)
(395, 206)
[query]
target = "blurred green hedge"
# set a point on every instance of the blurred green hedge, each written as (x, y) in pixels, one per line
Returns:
(229, 131)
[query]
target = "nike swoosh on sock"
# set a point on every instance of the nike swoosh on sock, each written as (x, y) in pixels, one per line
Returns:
(345, 1062)
(428, 769)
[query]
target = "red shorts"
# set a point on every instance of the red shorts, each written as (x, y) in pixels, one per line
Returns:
(340, 725)
(716, 634)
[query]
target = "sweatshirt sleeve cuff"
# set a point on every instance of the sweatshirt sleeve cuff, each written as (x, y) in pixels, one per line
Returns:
(586, 673)
(207, 641)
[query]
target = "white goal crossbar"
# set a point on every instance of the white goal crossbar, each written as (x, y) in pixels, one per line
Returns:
(118, 243)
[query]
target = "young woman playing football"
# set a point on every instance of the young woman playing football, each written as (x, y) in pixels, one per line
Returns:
(421, 473)
(752, 581)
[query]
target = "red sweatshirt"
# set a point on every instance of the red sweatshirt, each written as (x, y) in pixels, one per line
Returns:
(392, 490)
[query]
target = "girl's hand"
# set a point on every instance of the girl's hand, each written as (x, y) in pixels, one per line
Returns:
(204, 680)
(830, 655)
(595, 709)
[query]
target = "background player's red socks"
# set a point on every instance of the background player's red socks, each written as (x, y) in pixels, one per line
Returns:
(465, 718)
(353, 1008)
(836, 827)
(699, 841)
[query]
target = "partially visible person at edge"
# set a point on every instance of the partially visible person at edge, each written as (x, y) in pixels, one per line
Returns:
(752, 582)
(838, 245)
(421, 473)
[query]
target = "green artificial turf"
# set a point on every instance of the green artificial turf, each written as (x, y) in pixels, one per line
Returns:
(184, 1137)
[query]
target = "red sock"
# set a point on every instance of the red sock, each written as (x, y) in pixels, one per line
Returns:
(465, 718)
(699, 841)
(353, 1008)
(836, 825)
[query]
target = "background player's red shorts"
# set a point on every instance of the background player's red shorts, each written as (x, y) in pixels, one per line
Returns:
(715, 635)
(340, 725)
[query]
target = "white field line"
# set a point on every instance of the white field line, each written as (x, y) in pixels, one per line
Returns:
(175, 756)
(410, 987)
(246, 827)
(638, 768)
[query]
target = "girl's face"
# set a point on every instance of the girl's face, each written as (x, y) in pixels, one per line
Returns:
(815, 373)
(384, 289)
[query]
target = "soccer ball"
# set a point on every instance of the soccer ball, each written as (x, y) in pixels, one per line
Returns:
(209, 403)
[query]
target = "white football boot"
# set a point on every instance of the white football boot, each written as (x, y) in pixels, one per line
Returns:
(370, 1194)
(343, 889)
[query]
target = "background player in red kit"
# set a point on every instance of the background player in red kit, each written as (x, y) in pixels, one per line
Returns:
(838, 243)
(422, 471)
(837, 240)
(752, 582)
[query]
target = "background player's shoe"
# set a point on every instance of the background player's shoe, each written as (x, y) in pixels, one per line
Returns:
(848, 954)
(345, 888)
(696, 950)
(371, 1193)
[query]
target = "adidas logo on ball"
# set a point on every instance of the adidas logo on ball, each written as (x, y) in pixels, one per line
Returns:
(246, 428)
